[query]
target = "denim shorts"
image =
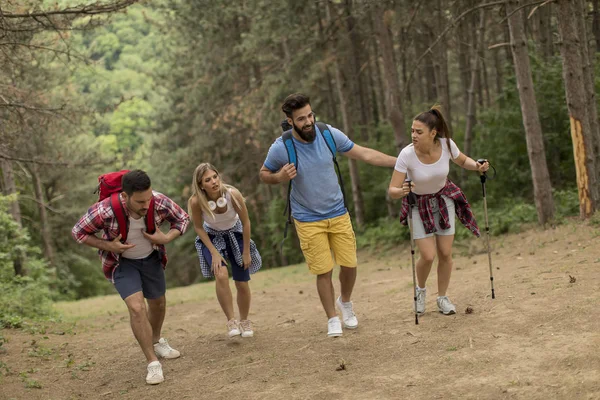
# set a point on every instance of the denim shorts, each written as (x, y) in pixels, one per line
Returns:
(419, 229)
(140, 275)
(238, 272)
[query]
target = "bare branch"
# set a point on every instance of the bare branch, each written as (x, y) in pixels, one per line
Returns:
(459, 18)
(497, 45)
(26, 197)
(91, 9)
(539, 3)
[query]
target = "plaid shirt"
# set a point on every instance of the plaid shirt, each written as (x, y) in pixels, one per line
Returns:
(100, 217)
(450, 190)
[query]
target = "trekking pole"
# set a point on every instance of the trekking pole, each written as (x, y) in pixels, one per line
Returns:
(412, 200)
(483, 178)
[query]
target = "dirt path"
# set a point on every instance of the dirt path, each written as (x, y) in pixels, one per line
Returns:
(539, 339)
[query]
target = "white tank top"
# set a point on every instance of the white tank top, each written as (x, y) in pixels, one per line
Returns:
(225, 221)
(143, 247)
(428, 178)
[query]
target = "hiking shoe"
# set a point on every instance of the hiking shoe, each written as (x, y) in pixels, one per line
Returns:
(162, 349)
(155, 374)
(445, 306)
(334, 327)
(233, 328)
(246, 328)
(421, 293)
(348, 316)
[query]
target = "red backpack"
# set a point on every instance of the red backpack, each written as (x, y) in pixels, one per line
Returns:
(110, 185)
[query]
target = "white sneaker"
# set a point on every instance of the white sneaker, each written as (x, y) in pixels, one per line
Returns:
(162, 349)
(155, 374)
(334, 327)
(233, 328)
(348, 316)
(421, 293)
(246, 328)
(445, 306)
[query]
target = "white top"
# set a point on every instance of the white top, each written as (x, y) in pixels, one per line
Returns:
(143, 247)
(225, 221)
(428, 178)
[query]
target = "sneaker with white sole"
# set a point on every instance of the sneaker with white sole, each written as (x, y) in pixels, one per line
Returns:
(421, 293)
(162, 349)
(246, 328)
(334, 327)
(155, 373)
(348, 316)
(233, 328)
(445, 306)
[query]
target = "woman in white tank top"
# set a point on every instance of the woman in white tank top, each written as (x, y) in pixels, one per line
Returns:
(222, 224)
(426, 163)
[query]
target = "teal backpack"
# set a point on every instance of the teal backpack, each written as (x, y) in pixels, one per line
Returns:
(293, 159)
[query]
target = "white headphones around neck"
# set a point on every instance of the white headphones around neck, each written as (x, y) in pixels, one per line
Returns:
(221, 202)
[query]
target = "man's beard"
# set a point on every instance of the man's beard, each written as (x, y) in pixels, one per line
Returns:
(306, 135)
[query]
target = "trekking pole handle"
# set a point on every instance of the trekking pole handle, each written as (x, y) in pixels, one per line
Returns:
(411, 196)
(483, 175)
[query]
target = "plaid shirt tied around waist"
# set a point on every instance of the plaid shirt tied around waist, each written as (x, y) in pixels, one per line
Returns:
(450, 190)
(218, 239)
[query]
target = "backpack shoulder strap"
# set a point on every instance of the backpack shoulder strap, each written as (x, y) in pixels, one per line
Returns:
(288, 142)
(331, 145)
(149, 220)
(117, 207)
(326, 133)
(290, 148)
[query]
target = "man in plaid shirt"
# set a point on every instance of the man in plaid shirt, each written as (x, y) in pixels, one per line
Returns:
(136, 267)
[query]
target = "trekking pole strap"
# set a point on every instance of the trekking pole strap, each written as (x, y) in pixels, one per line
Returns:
(483, 177)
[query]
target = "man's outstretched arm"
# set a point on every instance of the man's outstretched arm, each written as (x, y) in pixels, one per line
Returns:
(371, 156)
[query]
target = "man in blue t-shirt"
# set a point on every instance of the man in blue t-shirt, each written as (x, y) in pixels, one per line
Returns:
(321, 219)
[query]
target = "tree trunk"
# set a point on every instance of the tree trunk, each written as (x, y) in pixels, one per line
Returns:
(404, 62)
(499, 71)
(359, 208)
(392, 89)
(9, 188)
(356, 80)
(429, 70)
(588, 77)
(464, 67)
(542, 188)
(323, 45)
(471, 107)
(372, 90)
(581, 134)
(443, 85)
(376, 68)
(45, 225)
(596, 23)
(484, 81)
(543, 18)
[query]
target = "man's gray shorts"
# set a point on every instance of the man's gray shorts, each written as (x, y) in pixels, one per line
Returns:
(419, 230)
(140, 275)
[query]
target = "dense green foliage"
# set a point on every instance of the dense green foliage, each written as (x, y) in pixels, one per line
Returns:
(21, 296)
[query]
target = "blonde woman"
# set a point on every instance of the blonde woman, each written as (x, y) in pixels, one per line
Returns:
(221, 222)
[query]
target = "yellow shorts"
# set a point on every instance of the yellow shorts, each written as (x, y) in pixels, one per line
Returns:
(320, 238)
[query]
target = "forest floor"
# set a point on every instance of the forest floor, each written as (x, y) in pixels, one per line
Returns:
(539, 339)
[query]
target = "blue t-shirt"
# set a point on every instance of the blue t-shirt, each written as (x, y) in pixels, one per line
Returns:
(316, 194)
